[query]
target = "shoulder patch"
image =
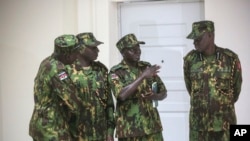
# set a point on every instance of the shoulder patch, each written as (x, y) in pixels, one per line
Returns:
(114, 76)
(63, 75)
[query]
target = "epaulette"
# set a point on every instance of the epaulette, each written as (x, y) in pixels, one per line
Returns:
(144, 63)
(116, 67)
(230, 53)
(100, 64)
(45, 66)
(45, 61)
(190, 55)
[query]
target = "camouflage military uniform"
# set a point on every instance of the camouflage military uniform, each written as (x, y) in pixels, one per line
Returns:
(214, 85)
(136, 118)
(54, 104)
(96, 118)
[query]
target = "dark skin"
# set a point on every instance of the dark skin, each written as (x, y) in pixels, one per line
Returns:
(131, 57)
(89, 55)
(205, 44)
(67, 58)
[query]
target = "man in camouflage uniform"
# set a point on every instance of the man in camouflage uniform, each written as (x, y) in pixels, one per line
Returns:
(131, 83)
(55, 95)
(96, 121)
(213, 79)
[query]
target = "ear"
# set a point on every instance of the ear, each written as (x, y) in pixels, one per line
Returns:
(123, 54)
(210, 34)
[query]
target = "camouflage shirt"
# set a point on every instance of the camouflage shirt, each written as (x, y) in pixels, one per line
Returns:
(214, 85)
(54, 103)
(96, 119)
(135, 116)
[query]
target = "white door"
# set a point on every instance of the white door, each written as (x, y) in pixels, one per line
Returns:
(164, 27)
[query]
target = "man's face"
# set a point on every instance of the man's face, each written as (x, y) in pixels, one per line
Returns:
(90, 53)
(132, 54)
(201, 43)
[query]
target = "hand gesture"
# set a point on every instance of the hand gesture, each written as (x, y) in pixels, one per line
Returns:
(151, 71)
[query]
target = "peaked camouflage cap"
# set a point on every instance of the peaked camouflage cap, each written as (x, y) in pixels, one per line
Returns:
(88, 39)
(199, 28)
(128, 41)
(65, 43)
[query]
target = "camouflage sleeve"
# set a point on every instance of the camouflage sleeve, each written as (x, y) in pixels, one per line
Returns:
(65, 88)
(110, 110)
(186, 75)
(115, 84)
(108, 100)
(114, 87)
(66, 91)
(43, 125)
(160, 85)
(237, 79)
(237, 73)
(42, 87)
(42, 84)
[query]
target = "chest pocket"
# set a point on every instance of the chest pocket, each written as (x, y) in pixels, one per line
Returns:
(223, 86)
(197, 80)
(223, 80)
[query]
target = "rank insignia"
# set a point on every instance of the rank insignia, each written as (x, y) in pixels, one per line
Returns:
(63, 75)
(114, 76)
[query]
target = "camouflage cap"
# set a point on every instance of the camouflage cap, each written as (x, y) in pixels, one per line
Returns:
(128, 41)
(88, 39)
(65, 43)
(199, 28)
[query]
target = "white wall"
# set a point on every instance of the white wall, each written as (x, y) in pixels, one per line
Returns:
(232, 31)
(28, 28)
